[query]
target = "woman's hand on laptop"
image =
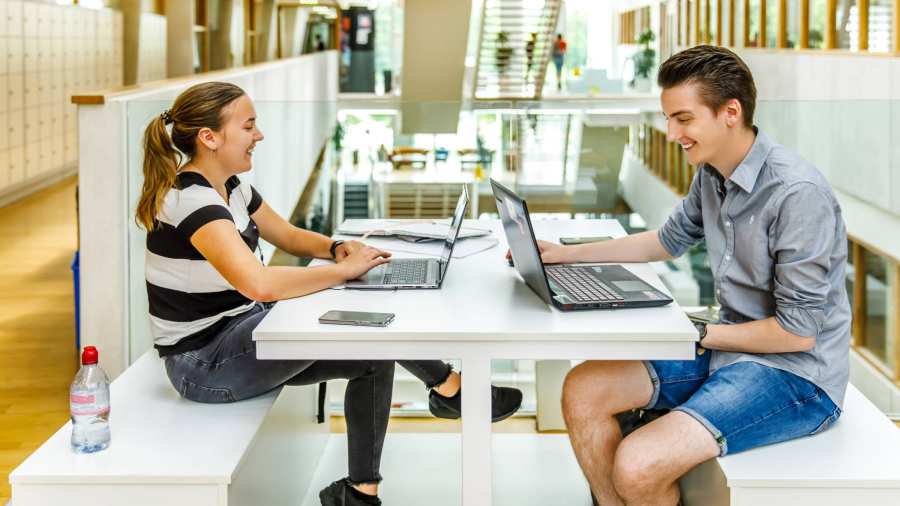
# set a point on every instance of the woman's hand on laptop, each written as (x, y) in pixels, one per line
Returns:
(347, 248)
(362, 261)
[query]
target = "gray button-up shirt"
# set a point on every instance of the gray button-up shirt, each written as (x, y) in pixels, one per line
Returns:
(777, 247)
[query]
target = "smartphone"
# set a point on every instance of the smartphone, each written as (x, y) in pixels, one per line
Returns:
(566, 241)
(366, 319)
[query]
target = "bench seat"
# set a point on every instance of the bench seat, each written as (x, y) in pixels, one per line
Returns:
(166, 449)
(855, 462)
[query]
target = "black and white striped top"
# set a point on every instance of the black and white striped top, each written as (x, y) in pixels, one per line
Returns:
(189, 300)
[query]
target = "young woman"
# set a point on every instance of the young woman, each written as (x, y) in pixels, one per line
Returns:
(208, 289)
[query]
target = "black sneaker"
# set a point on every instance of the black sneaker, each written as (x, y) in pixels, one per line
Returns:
(504, 402)
(342, 493)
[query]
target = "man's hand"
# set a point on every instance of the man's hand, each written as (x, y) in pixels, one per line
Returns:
(551, 253)
(346, 249)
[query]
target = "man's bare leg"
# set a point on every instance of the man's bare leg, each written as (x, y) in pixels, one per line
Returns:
(593, 393)
(649, 462)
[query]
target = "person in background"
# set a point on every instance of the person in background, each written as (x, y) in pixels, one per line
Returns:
(529, 53)
(320, 44)
(559, 57)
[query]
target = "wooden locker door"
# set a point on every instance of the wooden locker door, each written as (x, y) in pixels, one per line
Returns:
(4, 139)
(15, 129)
(15, 54)
(5, 177)
(16, 165)
(14, 23)
(15, 92)
(32, 163)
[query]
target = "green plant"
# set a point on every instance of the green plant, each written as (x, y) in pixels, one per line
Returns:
(645, 58)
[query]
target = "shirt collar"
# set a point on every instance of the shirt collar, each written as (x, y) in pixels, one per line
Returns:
(746, 174)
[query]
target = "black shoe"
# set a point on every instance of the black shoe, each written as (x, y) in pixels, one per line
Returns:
(504, 402)
(342, 493)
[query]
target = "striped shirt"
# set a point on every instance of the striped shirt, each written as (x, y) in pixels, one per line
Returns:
(190, 302)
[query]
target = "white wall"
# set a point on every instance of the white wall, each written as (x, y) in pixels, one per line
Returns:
(295, 101)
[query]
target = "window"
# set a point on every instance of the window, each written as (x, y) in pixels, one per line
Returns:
(847, 25)
(881, 13)
(872, 284)
(753, 24)
(817, 16)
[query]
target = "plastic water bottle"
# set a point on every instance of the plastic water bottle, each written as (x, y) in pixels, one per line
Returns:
(89, 405)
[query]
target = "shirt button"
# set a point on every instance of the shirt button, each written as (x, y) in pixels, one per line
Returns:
(727, 257)
(727, 223)
(718, 291)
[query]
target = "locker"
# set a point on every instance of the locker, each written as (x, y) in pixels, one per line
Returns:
(32, 163)
(30, 56)
(15, 129)
(14, 26)
(4, 169)
(4, 98)
(45, 21)
(3, 33)
(4, 140)
(45, 156)
(57, 159)
(15, 92)
(45, 123)
(15, 55)
(16, 165)
(4, 55)
(32, 91)
(30, 19)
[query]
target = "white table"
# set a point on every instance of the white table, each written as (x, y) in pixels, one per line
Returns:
(484, 311)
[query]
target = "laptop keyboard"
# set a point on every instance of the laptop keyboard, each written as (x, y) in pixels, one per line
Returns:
(581, 284)
(406, 272)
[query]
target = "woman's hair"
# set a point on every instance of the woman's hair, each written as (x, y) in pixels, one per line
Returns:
(200, 106)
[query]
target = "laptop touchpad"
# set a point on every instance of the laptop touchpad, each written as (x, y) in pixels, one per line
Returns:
(631, 286)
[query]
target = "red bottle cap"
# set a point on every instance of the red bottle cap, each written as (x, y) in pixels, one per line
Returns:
(89, 355)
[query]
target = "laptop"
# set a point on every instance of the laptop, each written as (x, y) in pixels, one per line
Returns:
(568, 286)
(403, 273)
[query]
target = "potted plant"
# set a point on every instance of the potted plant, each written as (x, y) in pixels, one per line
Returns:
(644, 61)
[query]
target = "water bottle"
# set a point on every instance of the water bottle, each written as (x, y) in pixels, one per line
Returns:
(89, 405)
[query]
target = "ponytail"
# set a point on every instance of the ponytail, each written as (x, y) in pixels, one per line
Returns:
(200, 106)
(161, 162)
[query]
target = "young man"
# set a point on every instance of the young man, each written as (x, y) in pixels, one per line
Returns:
(776, 367)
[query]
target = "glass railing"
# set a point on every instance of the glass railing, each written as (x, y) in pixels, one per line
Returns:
(321, 163)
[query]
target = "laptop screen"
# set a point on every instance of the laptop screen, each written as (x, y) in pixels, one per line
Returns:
(453, 232)
(520, 236)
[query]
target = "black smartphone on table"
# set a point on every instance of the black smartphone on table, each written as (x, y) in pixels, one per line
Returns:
(363, 318)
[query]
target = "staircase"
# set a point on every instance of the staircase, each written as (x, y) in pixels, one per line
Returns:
(504, 69)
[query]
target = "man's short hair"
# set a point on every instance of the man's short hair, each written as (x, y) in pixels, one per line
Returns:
(721, 74)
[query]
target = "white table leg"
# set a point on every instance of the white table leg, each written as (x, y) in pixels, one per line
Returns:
(476, 431)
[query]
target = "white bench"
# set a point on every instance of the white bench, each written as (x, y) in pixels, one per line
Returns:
(167, 450)
(855, 462)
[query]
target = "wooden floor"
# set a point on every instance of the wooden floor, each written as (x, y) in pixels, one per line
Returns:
(38, 360)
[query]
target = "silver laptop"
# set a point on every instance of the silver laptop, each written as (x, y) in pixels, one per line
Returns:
(405, 273)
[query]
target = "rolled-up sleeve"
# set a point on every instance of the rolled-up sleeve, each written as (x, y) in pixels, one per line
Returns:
(801, 241)
(684, 228)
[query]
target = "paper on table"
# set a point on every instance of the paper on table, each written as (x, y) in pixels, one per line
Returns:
(462, 248)
(431, 229)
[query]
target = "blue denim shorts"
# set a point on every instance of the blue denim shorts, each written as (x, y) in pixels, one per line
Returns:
(744, 405)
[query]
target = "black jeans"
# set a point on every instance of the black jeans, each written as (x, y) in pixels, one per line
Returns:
(226, 370)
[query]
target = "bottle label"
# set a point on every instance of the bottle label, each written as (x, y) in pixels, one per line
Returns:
(84, 404)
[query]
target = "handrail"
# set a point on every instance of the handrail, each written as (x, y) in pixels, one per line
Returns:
(100, 97)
